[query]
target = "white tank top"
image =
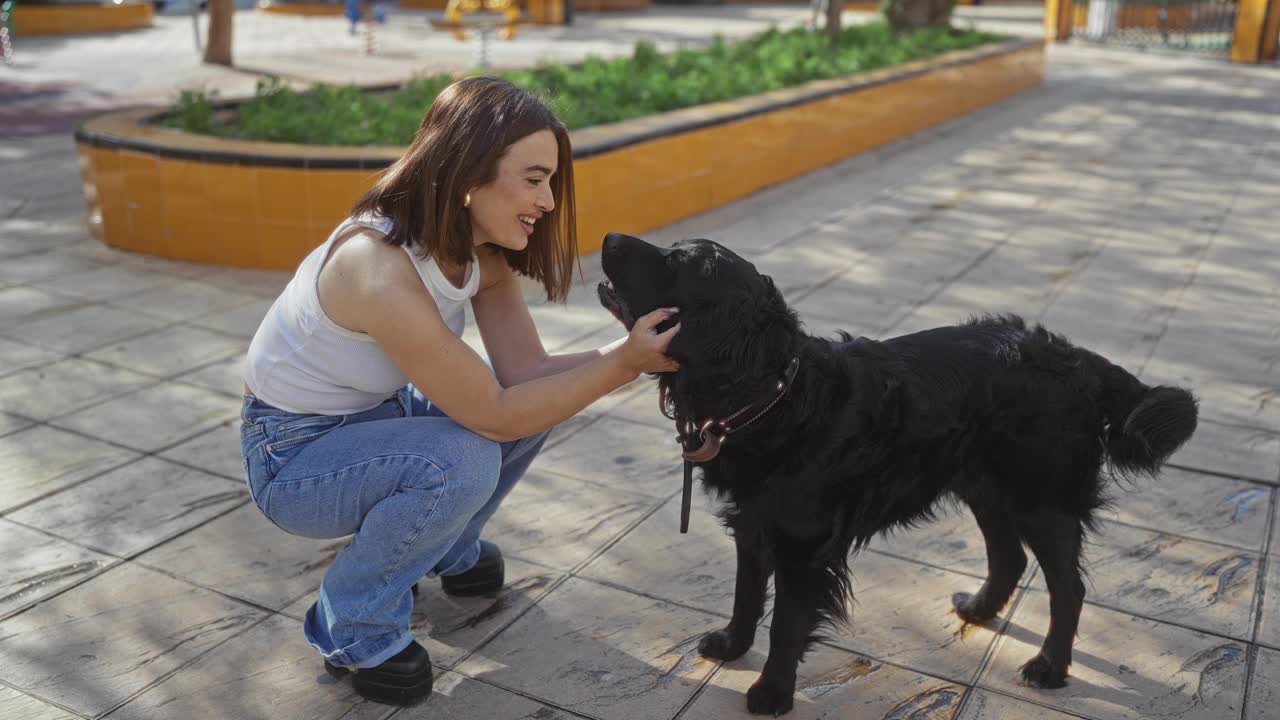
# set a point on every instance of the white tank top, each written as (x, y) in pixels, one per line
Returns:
(301, 361)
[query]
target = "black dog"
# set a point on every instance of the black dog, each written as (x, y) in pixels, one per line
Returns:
(828, 442)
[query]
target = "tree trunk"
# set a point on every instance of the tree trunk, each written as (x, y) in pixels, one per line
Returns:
(217, 47)
(905, 16)
(834, 8)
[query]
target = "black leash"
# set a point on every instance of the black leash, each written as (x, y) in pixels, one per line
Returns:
(712, 434)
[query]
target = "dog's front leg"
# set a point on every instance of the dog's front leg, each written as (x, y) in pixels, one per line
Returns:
(799, 590)
(748, 603)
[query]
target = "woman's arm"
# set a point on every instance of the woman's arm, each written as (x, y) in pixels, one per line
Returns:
(509, 334)
(376, 289)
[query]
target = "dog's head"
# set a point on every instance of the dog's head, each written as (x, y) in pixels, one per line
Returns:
(733, 321)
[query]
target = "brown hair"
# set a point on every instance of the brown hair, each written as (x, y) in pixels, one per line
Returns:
(467, 129)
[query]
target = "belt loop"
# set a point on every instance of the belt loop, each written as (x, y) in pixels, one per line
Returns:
(402, 398)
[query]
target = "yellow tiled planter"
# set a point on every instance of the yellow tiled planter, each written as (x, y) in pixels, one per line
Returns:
(300, 8)
(608, 5)
(69, 19)
(160, 191)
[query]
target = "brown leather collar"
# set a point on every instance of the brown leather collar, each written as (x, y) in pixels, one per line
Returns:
(710, 433)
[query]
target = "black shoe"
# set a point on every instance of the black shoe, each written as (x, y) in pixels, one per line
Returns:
(404, 679)
(485, 578)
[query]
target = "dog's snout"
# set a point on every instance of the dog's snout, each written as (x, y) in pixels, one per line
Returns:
(614, 242)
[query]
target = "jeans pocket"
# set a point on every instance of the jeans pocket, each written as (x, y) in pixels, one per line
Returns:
(291, 437)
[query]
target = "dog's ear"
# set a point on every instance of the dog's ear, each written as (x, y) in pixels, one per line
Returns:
(745, 333)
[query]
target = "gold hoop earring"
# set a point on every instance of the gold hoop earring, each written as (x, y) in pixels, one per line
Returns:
(466, 201)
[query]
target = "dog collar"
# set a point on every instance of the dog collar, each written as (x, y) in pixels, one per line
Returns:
(712, 432)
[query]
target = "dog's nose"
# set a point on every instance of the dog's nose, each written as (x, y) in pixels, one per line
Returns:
(614, 241)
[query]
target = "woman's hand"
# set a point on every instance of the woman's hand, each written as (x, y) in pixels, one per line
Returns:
(644, 350)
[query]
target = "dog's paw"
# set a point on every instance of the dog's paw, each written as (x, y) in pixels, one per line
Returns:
(765, 699)
(719, 645)
(1039, 672)
(969, 609)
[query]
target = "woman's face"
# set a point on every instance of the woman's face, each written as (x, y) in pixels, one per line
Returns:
(505, 212)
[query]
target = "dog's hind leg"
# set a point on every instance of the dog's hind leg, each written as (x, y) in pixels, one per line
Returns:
(1055, 538)
(1005, 564)
(748, 603)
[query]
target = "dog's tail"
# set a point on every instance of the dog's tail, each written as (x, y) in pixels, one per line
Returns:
(1145, 425)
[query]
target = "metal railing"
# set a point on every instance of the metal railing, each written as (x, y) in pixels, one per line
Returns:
(1197, 26)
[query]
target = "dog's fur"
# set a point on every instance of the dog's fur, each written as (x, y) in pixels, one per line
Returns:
(1014, 421)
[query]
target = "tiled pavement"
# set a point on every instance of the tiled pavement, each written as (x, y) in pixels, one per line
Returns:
(1132, 203)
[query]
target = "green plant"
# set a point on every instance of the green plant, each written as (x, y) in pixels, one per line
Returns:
(593, 92)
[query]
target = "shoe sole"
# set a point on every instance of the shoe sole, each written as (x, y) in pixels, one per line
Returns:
(412, 691)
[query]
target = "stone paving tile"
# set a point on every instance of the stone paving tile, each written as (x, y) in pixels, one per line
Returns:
(902, 613)
(15, 356)
(37, 266)
(267, 671)
(1275, 529)
(216, 450)
(66, 386)
(1203, 507)
(619, 454)
(12, 423)
(136, 507)
(1240, 451)
(1125, 666)
(1199, 585)
(1269, 617)
(642, 407)
(569, 428)
(452, 628)
(23, 304)
(171, 351)
(862, 301)
(243, 555)
(107, 283)
(92, 647)
(15, 243)
(831, 683)
(600, 651)
(952, 541)
(262, 284)
(456, 697)
(1264, 691)
(156, 417)
(34, 565)
(224, 376)
(18, 706)
(42, 460)
(559, 522)
(1223, 398)
(559, 325)
(242, 321)
(799, 267)
(1242, 355)
(182, 301)
(84, 328)
(986, 705)
(696, 569)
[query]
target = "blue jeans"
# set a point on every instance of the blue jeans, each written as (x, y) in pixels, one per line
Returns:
(413, 488)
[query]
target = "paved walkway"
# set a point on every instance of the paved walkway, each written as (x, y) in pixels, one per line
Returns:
(1130, 203)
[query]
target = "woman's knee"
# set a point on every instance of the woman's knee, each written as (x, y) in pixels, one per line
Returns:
(474, 470)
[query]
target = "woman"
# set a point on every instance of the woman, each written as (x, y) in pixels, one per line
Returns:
(366, 414)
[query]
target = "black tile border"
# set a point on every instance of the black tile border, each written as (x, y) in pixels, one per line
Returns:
(675, 126)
